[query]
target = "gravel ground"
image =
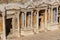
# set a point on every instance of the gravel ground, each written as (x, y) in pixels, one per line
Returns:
(50, 35)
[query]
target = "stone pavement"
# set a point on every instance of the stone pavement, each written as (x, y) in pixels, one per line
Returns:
(50, 35)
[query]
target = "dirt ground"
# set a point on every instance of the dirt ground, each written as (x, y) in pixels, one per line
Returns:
(50, 35)
(55, 35)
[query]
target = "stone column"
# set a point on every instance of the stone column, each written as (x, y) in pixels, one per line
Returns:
(25, 20)
(52, 16)
(49, 19)
(4, 30)
(37, 20)
(18, 24)
(32, 21)
(45, 19)
(31, 18)
(13, 24)
(57, 14)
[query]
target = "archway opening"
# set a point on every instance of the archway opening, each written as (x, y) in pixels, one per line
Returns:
(8, 26)
(41, 18)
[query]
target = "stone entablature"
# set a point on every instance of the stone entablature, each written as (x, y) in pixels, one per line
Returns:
(25, 1)
(39, 16)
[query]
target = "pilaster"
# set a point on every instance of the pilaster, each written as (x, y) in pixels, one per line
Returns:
(45, 19)
(37, 20)
(49, 16)
(18, 23)
(25, 20)
(52, 16)
(13, 24)
(4, 30)
(32, 21)
(31, 18)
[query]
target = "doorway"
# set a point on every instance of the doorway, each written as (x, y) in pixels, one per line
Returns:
(8, 26)
(28, 20)
(39, 22)
(41, 18)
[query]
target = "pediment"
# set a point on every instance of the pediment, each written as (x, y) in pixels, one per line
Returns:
(42, 4)
(30, 6)
(55, 3)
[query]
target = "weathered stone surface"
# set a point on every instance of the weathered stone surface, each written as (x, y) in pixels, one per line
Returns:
(51, 35)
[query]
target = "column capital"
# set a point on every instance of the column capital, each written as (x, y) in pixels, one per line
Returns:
(3, 13)
(25, 12)
(31, 11)
(38, 10)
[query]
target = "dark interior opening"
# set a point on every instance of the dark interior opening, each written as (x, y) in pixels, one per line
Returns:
(58, 14)
(28, 13)
(41, 12)
(8, 26)
(58, 19)
(27, 18)
(39, 22)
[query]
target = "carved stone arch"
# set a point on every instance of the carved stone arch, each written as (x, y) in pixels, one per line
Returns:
(42, 4)
(55, 3)
(30, 6)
